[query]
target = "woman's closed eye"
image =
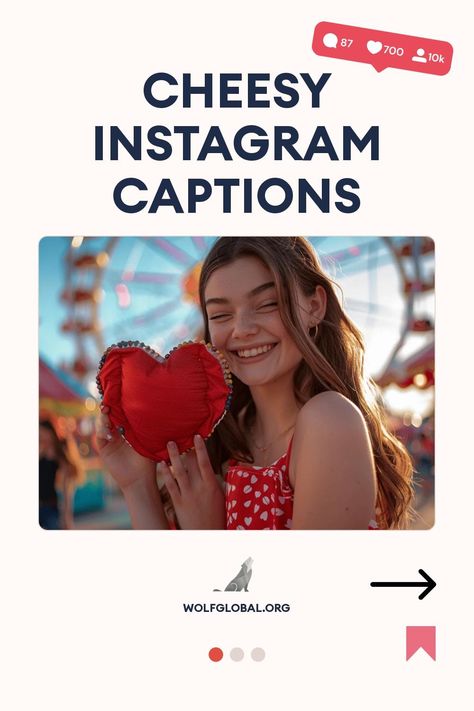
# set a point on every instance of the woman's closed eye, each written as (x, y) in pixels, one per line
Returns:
(215, 317)
(268, 305)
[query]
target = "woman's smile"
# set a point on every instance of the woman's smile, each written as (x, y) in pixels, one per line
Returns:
(252, 354)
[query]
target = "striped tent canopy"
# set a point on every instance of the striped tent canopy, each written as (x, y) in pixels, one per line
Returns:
(405, 372)
(60, 393)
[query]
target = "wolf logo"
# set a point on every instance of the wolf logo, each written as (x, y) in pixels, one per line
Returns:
(241, 580)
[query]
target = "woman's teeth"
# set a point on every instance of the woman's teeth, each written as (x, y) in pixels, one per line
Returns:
(251, 352)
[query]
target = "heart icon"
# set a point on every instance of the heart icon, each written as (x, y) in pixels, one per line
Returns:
(155, 400)
(374, 47)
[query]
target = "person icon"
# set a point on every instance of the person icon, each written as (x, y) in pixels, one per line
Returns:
(420, 56)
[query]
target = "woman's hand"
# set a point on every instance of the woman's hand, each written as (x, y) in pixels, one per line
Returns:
(134, 474)
(127, 467)
(197, 498)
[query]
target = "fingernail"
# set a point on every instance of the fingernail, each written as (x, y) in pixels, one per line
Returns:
(197, 439)
(171, 445)
(108, 436)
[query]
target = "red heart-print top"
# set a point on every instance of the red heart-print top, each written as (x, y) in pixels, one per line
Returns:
(261, 498)
(258, 498)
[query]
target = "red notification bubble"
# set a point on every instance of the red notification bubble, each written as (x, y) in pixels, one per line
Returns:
(382, 49)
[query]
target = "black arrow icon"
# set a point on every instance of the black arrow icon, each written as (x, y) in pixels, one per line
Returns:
(428, 585)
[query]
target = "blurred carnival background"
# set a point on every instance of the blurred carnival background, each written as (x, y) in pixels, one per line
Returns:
(95, 291)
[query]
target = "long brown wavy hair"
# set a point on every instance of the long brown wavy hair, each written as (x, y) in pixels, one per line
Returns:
(333, 359)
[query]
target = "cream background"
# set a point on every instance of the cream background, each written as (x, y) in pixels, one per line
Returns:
(93, 620)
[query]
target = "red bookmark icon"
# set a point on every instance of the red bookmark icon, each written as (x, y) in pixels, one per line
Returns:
(421, 638)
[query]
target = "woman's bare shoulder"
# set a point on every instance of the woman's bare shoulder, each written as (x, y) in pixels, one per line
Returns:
(332, 468)
(332, 408)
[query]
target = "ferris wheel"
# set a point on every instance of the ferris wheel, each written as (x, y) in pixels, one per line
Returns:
(146, 288)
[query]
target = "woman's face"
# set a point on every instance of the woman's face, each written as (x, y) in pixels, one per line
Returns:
(245, 323)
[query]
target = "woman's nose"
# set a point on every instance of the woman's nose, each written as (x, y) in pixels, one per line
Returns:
(244, 325)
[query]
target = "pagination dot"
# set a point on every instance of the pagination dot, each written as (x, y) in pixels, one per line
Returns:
(216, 654)
(236, 654)
(257, 654)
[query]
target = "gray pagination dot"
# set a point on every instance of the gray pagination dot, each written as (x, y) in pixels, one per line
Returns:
(257, 654)
(236, 654)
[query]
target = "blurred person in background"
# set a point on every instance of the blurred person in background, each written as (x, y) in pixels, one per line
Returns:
(59, 472)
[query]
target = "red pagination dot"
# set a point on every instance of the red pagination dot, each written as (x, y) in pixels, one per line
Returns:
(216, 654)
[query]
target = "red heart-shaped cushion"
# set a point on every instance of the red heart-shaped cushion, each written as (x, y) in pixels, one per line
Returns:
(155, 400)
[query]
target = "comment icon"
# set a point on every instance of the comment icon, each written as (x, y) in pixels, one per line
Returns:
(330, 40)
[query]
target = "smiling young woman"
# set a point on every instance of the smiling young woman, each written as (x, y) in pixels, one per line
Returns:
(304, 445)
